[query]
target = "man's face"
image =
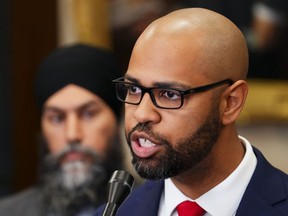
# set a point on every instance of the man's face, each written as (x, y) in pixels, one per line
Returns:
(79, 129)
(75, 115)
(167, 159)
(166, 142)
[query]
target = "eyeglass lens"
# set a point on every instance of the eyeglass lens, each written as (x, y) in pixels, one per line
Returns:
(133, 94)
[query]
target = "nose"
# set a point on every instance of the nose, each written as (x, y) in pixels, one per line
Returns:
(73, 129)
(146, 111)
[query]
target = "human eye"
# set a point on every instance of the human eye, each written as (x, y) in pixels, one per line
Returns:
(89, 113)
(169, 94)
(55, 118)
(133, 89)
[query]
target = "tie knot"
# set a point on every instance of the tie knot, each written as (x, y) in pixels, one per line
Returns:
(188, 208)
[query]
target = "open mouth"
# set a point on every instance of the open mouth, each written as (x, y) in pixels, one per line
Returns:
(144, 146)
(145, 143)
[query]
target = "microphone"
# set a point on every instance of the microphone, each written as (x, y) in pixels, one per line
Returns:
(120, 186)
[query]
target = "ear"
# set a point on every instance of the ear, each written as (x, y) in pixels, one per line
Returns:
(233, 101)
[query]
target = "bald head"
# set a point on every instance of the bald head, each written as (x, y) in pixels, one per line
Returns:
(204, 41)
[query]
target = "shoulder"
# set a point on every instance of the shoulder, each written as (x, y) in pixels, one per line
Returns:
(143, 200)
(22, 203)
(267, 191)
(147, 189)
(265, 168)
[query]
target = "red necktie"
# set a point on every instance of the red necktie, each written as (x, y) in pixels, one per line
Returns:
(188, 208)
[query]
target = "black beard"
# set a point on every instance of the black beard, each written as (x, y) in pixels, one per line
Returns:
(187, 153)
(60, 199)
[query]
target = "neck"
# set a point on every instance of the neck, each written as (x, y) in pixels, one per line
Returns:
(224, 158)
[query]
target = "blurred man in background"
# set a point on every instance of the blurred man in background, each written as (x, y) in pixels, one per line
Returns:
(79, 119)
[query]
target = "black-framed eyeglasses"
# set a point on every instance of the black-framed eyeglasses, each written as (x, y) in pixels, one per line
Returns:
(165, 98)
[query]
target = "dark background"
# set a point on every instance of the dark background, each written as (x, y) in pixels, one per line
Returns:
(27, 36)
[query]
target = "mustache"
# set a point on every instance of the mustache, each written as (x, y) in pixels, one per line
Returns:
(54, 159)
(146, 128)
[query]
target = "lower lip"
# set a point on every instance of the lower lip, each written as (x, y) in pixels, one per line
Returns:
(73, 156)
(144, 152)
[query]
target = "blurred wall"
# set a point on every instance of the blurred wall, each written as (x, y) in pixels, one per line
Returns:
(87, 21)
(32, 35)
(5, 103)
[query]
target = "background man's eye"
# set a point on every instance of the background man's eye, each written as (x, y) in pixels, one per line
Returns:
(89, 114)
(56, 119)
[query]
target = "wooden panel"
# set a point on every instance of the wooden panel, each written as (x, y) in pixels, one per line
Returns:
(86, 21)
(267, 101)
(33, 36)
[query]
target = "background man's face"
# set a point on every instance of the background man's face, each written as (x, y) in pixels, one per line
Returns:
(79, 129)
(76, 115)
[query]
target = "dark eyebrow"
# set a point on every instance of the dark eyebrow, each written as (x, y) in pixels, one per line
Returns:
(51, 109)
(175, 85)
(159, 84)
(131, 79)
(78, 109)
(87, 105)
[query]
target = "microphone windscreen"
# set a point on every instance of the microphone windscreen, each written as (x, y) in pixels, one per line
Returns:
(120, 186)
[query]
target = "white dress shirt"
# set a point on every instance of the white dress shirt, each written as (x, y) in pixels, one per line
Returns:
(223, 199)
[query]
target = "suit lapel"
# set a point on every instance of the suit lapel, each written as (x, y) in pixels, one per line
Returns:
(153, 194)
(145, 201)
(264, 192)
(253, 204)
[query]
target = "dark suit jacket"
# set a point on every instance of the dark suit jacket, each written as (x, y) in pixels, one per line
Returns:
(25, 203)
(265, 195)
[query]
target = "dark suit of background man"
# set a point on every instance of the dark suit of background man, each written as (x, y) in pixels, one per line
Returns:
(79, 121)
(183, 91)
